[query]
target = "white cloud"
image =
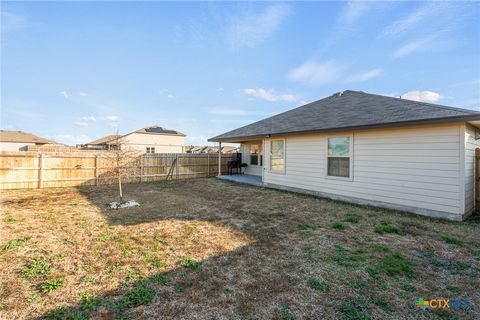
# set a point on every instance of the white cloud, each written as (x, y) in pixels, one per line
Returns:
(64, 94)
(353, 11)
(85, 121)
(249, 30)
(70, 139)
(424, 96)
(410, 21)
(365, 76)
(83, 94)
(410, 47)
(220, 89)
(316, 73)
(268, 95)
(112, 120)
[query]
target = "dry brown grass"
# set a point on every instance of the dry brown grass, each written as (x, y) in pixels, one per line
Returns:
(263, 254)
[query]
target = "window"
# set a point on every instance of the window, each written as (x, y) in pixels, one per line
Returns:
(338, 157)
(150, 149)
(254, 154)
(277, 155)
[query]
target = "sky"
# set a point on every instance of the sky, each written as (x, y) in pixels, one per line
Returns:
(77, 71)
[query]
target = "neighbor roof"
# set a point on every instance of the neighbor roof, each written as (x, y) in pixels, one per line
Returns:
(20, 136)
(106, 139)
(347, 111)
(159, 130)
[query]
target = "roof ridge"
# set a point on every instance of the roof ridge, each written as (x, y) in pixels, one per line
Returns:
(441, 106)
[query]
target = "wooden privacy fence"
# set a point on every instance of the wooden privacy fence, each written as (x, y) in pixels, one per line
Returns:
(28, 171)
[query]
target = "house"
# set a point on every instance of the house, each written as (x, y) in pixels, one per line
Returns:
(153, 139)
(369, 149)
(20, 141)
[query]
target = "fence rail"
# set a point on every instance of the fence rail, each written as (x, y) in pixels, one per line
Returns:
(31, 171)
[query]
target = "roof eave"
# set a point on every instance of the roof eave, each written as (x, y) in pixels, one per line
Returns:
(460, 118)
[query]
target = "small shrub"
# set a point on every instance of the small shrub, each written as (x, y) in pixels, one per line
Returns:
(52, 285)
(452, 240)
(352, 218)
(158, 263)
(14, 243)
(395, 264)
(386, 227)
(191, 264)
(141, 294)
(306, 226)
(37, 268)
(338, 225)
(317, 285)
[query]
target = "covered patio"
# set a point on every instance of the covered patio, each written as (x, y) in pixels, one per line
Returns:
(243, 178)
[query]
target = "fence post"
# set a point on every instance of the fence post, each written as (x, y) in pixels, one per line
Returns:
(208, 165)
(141, 167)
(96, 170)
(40, 171)
(176, 164)
(219, 173)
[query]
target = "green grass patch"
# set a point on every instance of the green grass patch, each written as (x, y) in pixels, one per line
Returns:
(163, 280)
(452, 240)
(285, 313)
(12, 244)
(89, 301)
(319, 285)
(38, 267)
(380, 248)
(141, 294)
(352, 218)
(353, 311)
(384, 305)
(191, 264)
(338, 226)
(395, 264)
(52, 285)
(305, 226)
(386, 227)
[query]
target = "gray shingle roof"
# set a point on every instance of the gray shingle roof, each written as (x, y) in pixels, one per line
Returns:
(350, 110)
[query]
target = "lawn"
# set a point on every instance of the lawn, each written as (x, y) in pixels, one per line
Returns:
(210, 249)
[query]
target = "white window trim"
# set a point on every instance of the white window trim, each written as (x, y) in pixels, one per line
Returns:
(284, 157)
(350, 178)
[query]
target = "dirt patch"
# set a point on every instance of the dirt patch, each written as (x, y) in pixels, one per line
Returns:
(204, 249)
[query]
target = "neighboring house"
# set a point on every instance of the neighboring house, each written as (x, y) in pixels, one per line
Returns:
(154, 139)
(369, 149)
(20, 141)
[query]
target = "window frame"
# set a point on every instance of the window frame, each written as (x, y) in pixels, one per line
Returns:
(350, 156)
(284, 157)
(257, 154)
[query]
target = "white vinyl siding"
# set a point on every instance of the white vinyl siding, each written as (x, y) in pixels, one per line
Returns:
(470, 145)
(415, 167)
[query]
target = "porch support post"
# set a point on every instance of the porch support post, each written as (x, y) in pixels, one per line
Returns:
(219, 159)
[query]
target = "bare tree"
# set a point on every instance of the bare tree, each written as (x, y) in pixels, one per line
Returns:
(125, 163)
